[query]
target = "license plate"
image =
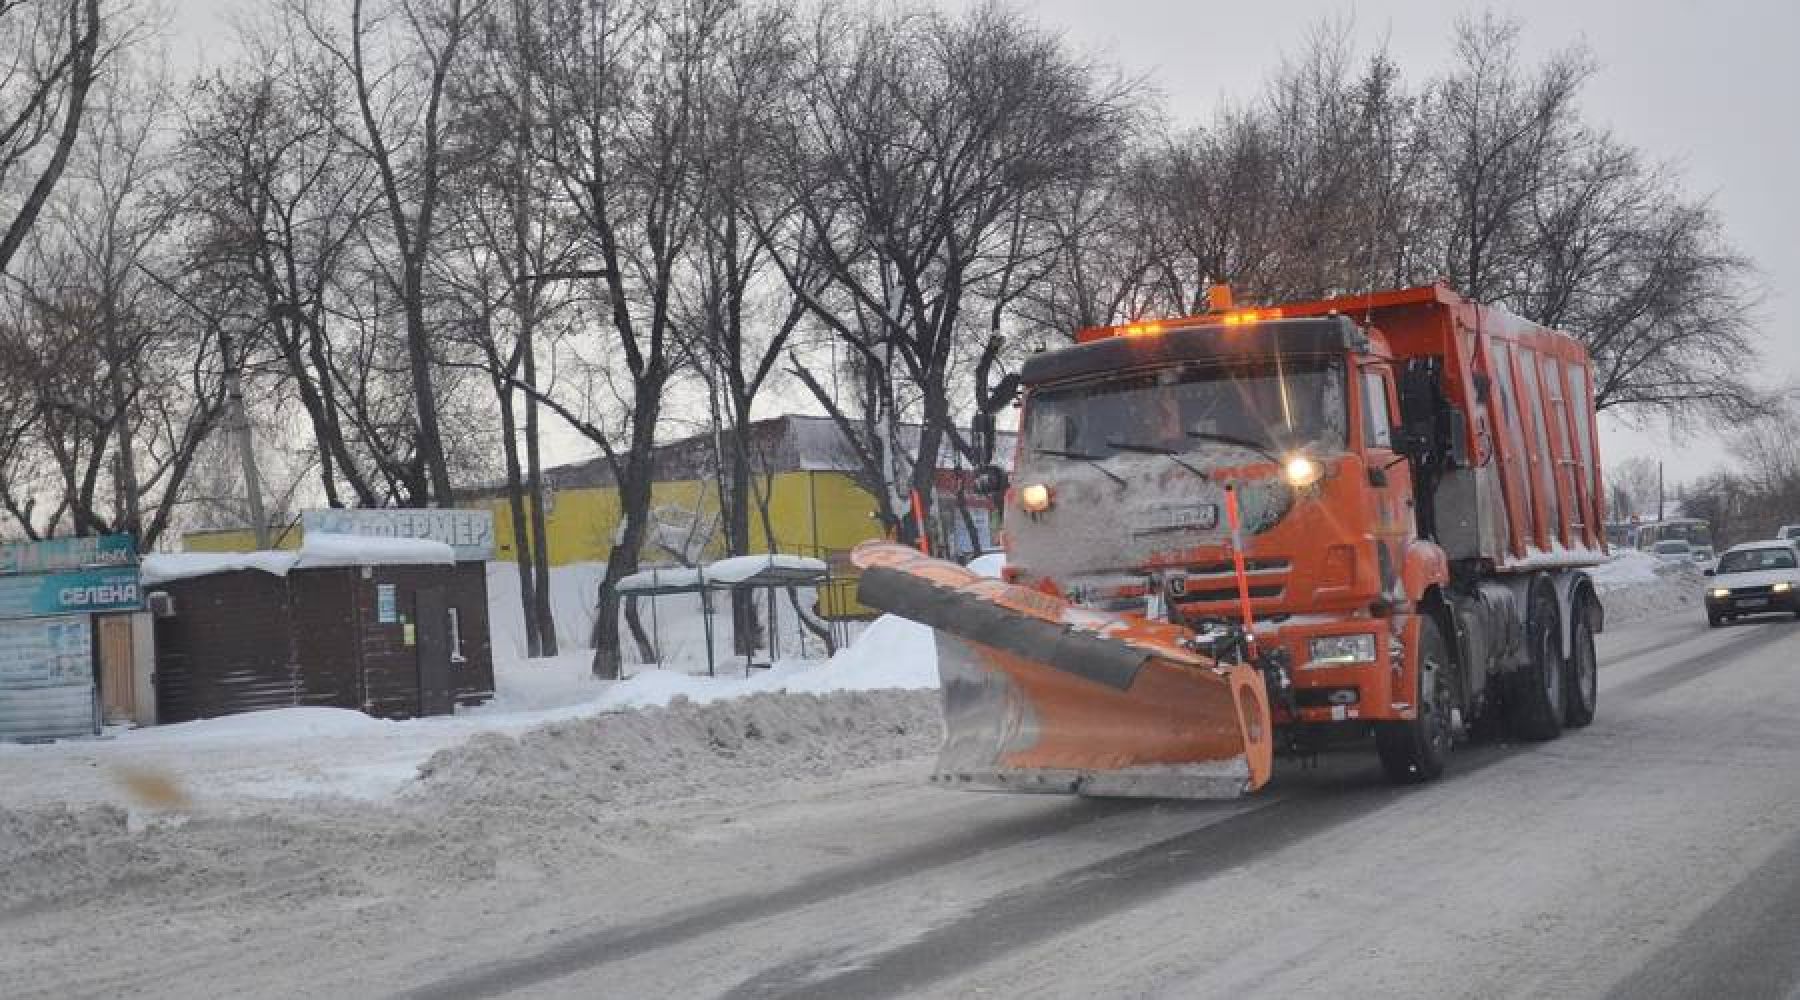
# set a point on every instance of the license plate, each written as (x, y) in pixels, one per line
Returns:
(1177, 517)
(1752, 602)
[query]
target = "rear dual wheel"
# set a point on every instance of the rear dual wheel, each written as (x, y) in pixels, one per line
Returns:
(1415, 751)
(1538, 697)
(1583, 672)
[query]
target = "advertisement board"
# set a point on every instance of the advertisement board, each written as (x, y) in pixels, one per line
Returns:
(56, 554)
(46, 678)
(87, 591)
(469, 532)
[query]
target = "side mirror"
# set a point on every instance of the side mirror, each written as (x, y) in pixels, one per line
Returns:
(990, 480)
(1709, 571)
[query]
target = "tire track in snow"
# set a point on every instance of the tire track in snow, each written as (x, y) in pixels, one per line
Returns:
(1013, 920)
(585, 951)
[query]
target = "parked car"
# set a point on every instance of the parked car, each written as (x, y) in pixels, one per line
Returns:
(1752, 579)
(1789, 533)
(1673, 550)
(1702, 553)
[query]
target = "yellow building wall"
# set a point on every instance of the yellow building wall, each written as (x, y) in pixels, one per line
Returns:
(812, 513)
(235, 540)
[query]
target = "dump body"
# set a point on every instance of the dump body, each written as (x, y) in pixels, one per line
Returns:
(1392, 494)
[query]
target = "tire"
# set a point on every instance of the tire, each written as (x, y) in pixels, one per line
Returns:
(1582, 673)
(1714, 619)
(1535, 702)
(1414, 752)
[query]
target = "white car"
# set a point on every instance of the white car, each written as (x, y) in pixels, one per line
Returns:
(1673, 550)
(1752, 579)
(1789, 533)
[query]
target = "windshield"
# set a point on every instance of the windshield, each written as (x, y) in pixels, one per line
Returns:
(1271, 406)
(1752, 560)
(1671, 547)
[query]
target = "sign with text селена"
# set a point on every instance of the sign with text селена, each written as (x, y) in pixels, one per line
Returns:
(469, 532)
(88, 591)
(53, 555)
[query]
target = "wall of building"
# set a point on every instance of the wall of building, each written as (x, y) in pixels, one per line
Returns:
(811, 512)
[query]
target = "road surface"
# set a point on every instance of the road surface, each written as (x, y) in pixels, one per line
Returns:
(1654, 854)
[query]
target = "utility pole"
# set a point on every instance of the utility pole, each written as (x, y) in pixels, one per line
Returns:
(239, 421)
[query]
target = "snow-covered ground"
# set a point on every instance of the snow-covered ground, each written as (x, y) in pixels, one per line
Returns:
(242, 764)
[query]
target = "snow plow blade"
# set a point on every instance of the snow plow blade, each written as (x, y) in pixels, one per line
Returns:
(1044, 696)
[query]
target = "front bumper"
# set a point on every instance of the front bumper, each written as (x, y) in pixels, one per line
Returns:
(1754, 603)
(1325, 692)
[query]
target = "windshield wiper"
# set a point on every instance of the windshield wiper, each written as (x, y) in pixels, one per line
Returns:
(1240, 442)
(1157, 449)
(1082, 456)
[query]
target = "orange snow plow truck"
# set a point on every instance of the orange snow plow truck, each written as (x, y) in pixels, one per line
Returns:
(1271, 530)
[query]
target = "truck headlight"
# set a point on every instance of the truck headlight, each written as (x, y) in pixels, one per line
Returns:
(1302, 471)
(1034, 498)
(1783, 587)
(1358, 648)
(1718, 592)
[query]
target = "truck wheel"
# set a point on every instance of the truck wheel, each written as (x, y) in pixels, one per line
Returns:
(1415, 751)
(1583, 670)
(1714, 619)
(1535, 708)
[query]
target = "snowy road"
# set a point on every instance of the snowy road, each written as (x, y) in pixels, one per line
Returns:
(1655, 854)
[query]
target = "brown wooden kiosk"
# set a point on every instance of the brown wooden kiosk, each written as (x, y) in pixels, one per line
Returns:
(392, 627)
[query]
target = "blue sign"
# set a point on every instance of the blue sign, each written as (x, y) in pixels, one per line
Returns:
(87, 591)
(54, 555)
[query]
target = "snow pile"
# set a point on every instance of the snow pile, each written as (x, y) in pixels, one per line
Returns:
(892, 653)
(321, 549)
(1628, 568)
(164, 567)
(590, 766)
(1635, 585)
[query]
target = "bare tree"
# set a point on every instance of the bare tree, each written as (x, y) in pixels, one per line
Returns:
(129, 391)
(50, 55)
(627, 84)
(398, 58)
(921, 137)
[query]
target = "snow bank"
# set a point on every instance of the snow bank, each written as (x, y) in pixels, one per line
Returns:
(1635, 585)
(164, 567)
(892, 653)
(589, 767)
(1631, 567)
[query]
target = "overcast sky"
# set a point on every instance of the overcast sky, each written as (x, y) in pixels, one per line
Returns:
(1711, 87)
